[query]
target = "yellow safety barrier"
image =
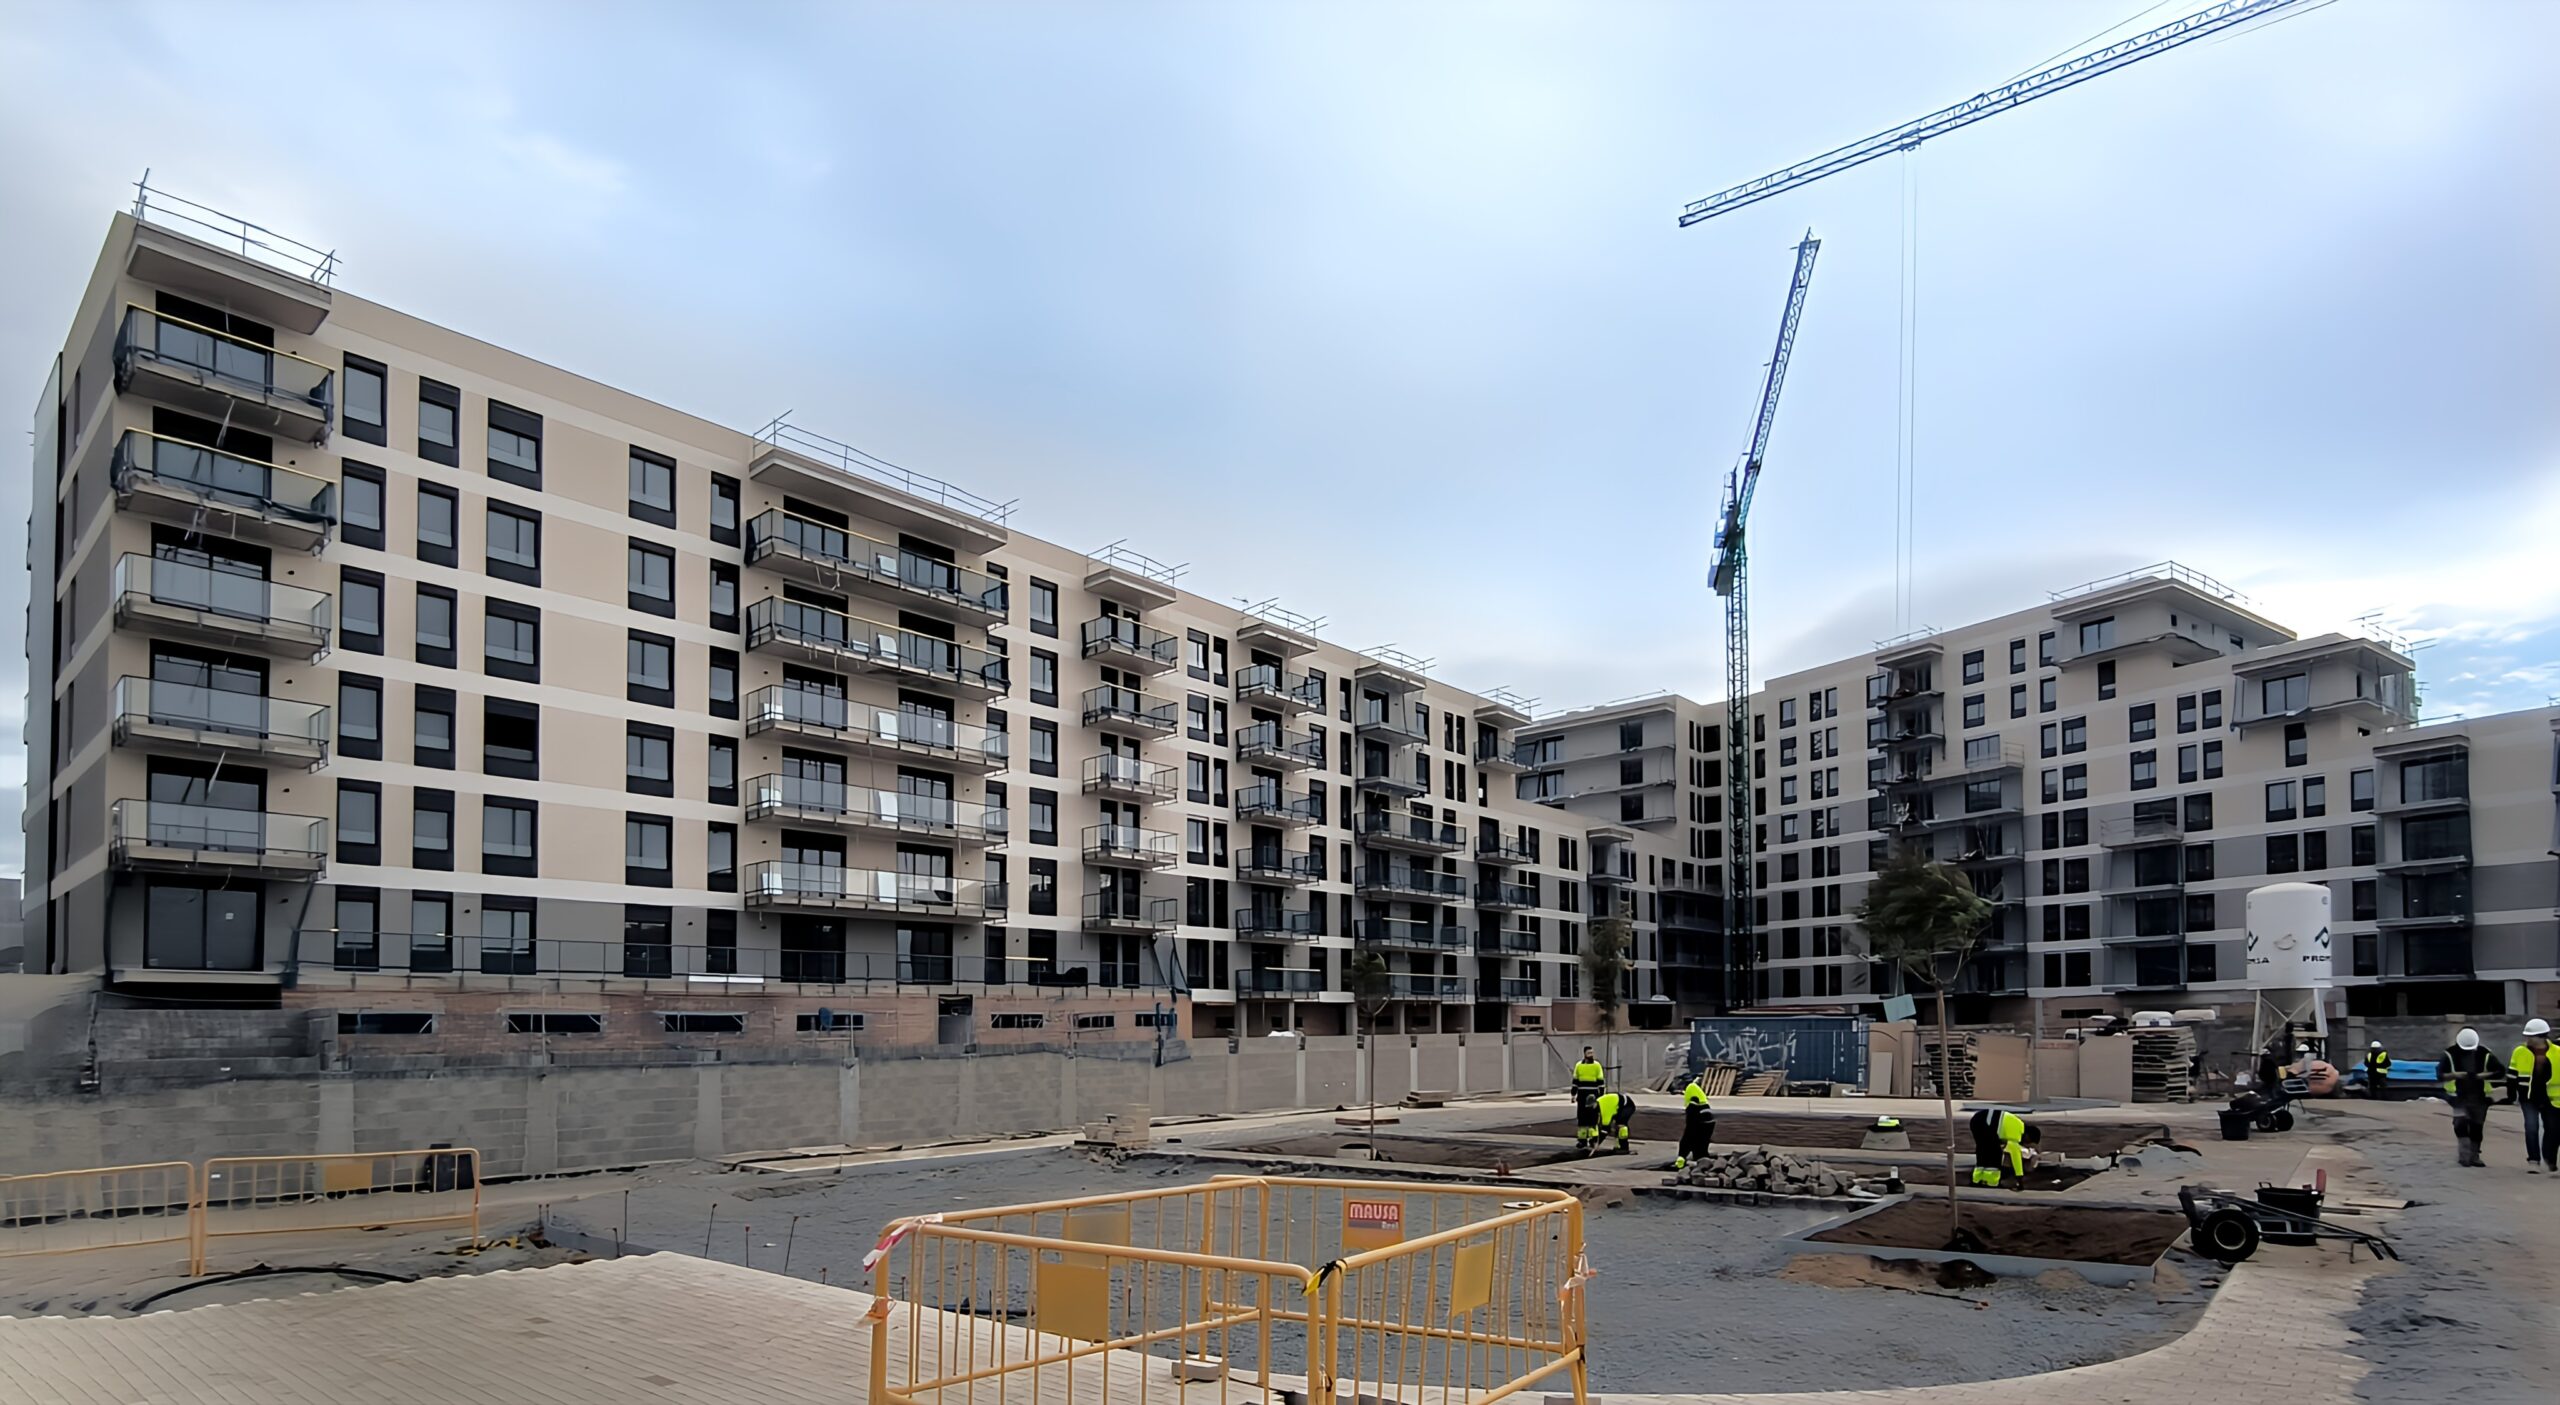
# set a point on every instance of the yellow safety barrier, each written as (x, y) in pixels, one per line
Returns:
(1418, 1294)
(249, 1195)
(102, 1207)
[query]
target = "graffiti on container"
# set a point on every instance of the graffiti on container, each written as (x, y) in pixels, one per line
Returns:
(1749, 1046)
(1808, 1047)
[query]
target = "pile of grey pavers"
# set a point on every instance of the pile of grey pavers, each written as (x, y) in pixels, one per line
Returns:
(1757, 1168)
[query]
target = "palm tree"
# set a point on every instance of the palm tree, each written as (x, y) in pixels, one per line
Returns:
(1925, 917)
(1370, 987)
(1606, 949)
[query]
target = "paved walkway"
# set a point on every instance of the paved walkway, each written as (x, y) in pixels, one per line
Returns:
(670, 1329)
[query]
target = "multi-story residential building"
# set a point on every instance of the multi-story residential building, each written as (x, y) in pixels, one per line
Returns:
(2115, 769)
(323, 715)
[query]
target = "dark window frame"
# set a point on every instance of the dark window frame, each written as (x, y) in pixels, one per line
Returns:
(348, 851)
(525, 425)
(433, 655)
(350, 533)
(634, 689)
(511, 865)
(348, 425)
(510, 570)
(439, 701)
(514, 613)
(349, 576)
(637, 783)
(423, 800)
(715, 793)
(360, 748)
(440, 553)
(638, 876)
(725, 489)
(724, 663)
(641, 508)
(529, 769)
(664, 607)
(432, 392)
(720, 880)
(725, 622)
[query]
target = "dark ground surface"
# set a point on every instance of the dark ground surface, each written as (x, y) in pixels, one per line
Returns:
(1846, 1132)
(2038, 1177)
(1690, 1296)
(2081, 1233)
(1418, 1151)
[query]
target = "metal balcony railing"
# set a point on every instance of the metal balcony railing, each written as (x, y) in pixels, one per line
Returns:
(803, 797)
(1127, 707)
(1129, 911)
(1120, 843)
(1271, 981)
(1417, 830)
(1507, 988)
(1266, 683)
(1506, 895)
(815, 710)
(1410, 934)
(1267, 803)
(1278, 866)
(185, 351)
(1275, 924)
(1502, 849)
(775, 533)
(1127, 775)
(231, 480)
(1389, 722)
(705, 969)
(248, 720)
(1507, 939)
(1119, 636)
(156, 830)
(785, 883)
(1416, 882)
(226, 601)
(1406, 986)
(2120, 832)
(774, 621)
(1272, 744)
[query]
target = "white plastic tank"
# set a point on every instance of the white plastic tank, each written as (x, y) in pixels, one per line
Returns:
(2289, 936)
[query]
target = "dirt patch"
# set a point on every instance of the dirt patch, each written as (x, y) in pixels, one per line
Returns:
(2081, 1234)
(1415, 1151)
(1845, 1132)
(2038, 1177)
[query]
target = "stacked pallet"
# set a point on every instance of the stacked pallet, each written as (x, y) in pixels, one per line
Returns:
(1949, 1062)
(1767, 1084)
(2163, 1064)
(1716, 1080)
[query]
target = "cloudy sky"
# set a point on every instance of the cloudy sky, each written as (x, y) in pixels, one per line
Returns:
(1382, 308)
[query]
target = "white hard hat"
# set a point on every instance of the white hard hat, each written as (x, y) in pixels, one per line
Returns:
(2468, 1039)
(2537, 1026)
(2302, 1048)
(2377, 1043)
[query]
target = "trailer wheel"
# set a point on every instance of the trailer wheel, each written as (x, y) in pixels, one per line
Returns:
(2284, 1119)
(2227, 1235)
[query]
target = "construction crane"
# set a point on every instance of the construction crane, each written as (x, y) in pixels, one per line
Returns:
(2204, 23)
(1731, 580)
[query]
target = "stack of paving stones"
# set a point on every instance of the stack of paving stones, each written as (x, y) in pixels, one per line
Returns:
(1759, 1170)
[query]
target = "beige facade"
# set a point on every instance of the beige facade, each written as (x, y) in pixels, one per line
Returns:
(380, 670)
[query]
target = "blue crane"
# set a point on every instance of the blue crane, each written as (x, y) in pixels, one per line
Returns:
(1731, 580)
(2204, 23)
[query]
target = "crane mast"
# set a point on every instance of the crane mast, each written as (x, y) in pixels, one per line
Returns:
(1731, 578)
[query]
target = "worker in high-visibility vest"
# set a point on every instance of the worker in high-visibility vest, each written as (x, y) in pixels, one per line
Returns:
(2000, 1142)
(2533, 1076)
(1618, 1116)
(1588, 1079)
(1697, 1124)
(2466, 1069)
(2377, 1070)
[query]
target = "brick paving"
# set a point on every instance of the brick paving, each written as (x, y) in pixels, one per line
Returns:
(671, 1328)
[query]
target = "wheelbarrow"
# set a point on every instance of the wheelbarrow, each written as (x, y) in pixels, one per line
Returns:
(2270, 1109)
(2228, 1228)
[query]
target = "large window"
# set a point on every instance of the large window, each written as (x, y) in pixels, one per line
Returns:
(652, 578)
(647, 843)
(439, 524)
(439, 423)
(513, 647)
(507, 837)
(1044, 608)
(651, 662)
(359, 822)
(431, 829)
(2280, 804)
(360, 610)
(2443, 778)
(2142, 722)
(189, 927)
(507, 938)
(724, 509)
(653, 487)
(2291, 693)
(360, 504)
(361, 417)
(510, 739)
(435, 626)
(360, 717)
(432, 726)
(515, 544)
(648, 759)
(515, 446)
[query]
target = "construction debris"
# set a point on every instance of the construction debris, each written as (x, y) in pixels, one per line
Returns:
(1758, 1168)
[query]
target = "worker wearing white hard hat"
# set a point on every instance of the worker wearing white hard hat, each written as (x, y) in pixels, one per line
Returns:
(2466, 1070)
(2377, 1070)
(2533, 1077)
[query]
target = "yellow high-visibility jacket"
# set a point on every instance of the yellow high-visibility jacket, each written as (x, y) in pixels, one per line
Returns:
(2536, 1077)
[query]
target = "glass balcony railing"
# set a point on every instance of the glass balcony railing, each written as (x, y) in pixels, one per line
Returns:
(1506, 895)
(1130, 910)
(775, 621)
(1272, 744)
(1495, 848)
(806, 798)
(1410, 934)
(1414, 882)
(1269, 981)
(1415, 830)
(1507, 988)
(1121, 843)
(817, 710)
(1388, 722)
(1127, 707)
(1277, 866)
(1274, 686)
(1127, 775)
(1275, 924)
(775, 533)
(1406, 986)
(215, 714)
(1267, 803)
(1118, 636)
(157, 829)
(786, 883)
(230, 480)
(1508, 940)
(173, 347)
(220, 600)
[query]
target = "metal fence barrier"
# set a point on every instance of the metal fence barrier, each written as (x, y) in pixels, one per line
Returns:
(251, 1195)
(1422, 1294)
(101, 1207)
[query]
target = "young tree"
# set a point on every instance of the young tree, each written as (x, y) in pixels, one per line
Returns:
(1370, 987)
(1926, 918)
(1606, 947)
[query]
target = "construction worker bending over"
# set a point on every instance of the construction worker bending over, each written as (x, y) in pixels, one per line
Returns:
(2000, 1142)
(1697, 1124)
(2466, 1069)
(2377, 1069)
(1588, 1078)
(2533, 1075)
(1618, 1117)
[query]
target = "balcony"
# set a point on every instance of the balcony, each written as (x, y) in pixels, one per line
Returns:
(1276, 925)
(780, 883)
(1263, 685)
(1496, 849)
(222, 378)
(1128, 708)
(1390, 723)
(1389, 781)
(1268, 744)
(699, 969)
(1410, 885)
(1408, 934)
(1508, 940)
(2139, 833)
(1510, 990)
(1274, 981)
(1278, 868)
(2428, 800)
(813, 634)
(1915, 732)
(833, 559)
(875, 731)
(1277, 631)
(228, 495)
(1498, 755)
(2429, 863)
(835, 805)
(163, 716)
(1128, 844)
(1130, 913)
(1404, 985)
(1413, 834)
(1128, 778)
(1123, 641)
(1268, 804)
(1506, 897)
(164, 597)
(172, 837)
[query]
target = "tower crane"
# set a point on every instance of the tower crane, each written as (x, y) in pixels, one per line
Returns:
(2212, 20)
(1730, 579)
